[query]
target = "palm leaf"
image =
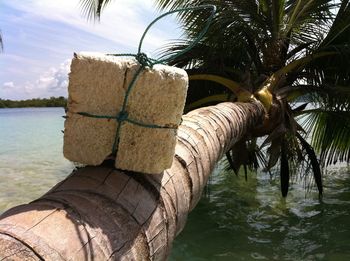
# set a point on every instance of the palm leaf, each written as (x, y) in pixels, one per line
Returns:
(231, 20)
(92, 9)
(274, 152)
(274, 81)
(299, 48)
(339, 31)
(330, 134)
(231, 163)
(245, 153)
(238, 156)
(300, 107)
(1, 43)
(314, 163)
(284, 170)
(308, 17)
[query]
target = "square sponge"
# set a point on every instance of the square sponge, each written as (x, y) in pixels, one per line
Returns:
(146, 141)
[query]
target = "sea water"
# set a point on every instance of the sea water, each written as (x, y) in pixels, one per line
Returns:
(31, 159)
(249, 220)
(235, 220)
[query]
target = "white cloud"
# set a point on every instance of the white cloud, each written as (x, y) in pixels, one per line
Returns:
(8, 84)
(122, 22)
(53, 82)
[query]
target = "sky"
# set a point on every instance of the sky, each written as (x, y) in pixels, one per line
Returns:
(40, 37)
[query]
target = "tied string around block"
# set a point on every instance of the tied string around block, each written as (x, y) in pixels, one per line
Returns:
(146, 62)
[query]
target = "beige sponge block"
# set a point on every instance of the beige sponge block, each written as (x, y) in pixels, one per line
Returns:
(97, 85)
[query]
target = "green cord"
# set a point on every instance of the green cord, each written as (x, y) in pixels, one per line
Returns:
(145, 61)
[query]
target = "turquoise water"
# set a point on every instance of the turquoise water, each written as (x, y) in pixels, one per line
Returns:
(235, 220)
(31, 159)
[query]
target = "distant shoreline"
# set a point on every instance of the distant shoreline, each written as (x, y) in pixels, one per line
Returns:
(34, 103)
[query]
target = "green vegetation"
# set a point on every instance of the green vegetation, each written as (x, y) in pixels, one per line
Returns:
(45, 102)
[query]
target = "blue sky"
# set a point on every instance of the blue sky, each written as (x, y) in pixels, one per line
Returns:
(40, 37)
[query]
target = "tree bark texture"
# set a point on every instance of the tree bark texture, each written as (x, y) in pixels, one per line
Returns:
(100, 213)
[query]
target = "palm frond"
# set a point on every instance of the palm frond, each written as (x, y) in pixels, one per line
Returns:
(314, 163)
(245, 153)
(300, 108)
(284, 170)
(92, 9)
(339, 31)
(330, 133)
(233, 30)
(330, 72)
(304, 15)
(299, 48)
(1, 42)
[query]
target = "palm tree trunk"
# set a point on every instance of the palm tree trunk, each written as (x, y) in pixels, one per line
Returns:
(99, 213)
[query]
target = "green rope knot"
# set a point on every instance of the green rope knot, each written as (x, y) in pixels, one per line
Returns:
(143, 59)
(122, 116)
